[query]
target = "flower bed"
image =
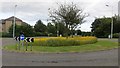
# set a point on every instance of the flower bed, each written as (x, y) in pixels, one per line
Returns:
(63, 41)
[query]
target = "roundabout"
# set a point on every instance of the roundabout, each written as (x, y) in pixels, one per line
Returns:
(96, 58)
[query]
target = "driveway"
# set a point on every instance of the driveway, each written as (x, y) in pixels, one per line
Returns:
(99, 58)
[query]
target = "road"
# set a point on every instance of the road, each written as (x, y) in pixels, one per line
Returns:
(99, 58)
(8, 41)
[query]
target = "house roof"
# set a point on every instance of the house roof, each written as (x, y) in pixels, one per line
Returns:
(12, 18)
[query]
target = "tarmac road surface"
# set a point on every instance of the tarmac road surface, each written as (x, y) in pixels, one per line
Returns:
(99, 58)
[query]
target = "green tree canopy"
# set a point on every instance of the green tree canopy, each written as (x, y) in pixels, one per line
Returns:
(40, 27)
(51, 29)
(101, 27)
(25, 28)
(69, 14)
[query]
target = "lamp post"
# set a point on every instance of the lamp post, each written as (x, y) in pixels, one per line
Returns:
(111, 35)
(57, 29)
(112, 28)
(14, 21)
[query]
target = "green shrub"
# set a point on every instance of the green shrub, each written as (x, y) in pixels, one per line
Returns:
(116, 35)
(4, 34)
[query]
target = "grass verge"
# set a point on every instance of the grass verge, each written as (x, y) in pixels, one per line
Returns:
(100, 45)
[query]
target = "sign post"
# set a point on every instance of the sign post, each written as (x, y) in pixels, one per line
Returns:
(17, 43)
(22, 37)
(29, 42)
(31, 47)
(26, 45)
(32, 40)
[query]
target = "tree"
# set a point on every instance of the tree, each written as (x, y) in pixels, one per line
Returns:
(116, 25)
(79, 32)
(62, 28)
(51, 29)
(17, 30)
(40, 27)
(101, 27)
(25, 28)
(69, 14)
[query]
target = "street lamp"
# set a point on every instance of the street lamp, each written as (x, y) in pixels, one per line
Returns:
(57, 29)
(14, 21)
(111, 36)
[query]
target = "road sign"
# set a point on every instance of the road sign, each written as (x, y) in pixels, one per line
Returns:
(17, 38)
(22, 40)
(22, 37)
(29, 39)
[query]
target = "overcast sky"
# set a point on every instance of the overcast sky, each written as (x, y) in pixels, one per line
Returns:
(31, 11)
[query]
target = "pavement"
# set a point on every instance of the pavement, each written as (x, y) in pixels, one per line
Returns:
(99, 58)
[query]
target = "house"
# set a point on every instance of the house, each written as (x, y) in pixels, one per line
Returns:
(7, 23)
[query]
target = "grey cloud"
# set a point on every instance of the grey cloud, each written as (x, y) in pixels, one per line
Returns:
(30, 11)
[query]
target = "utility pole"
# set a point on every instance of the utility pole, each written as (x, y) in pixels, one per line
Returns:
(14, 21)
(111, 34)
